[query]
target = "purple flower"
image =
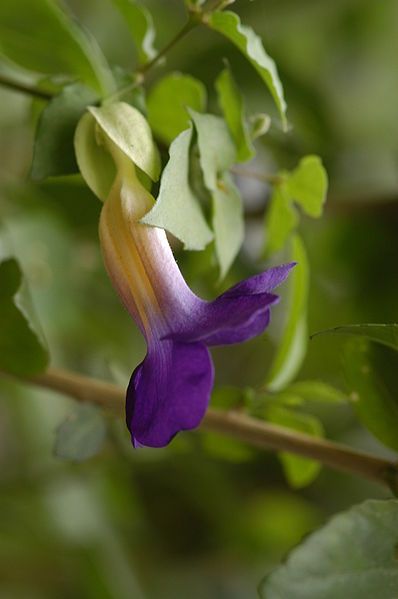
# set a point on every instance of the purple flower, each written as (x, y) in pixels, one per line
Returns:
(170, 390)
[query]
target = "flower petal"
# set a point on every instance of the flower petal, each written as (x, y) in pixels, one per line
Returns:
(262, 283)
(168, 392)
(237, 315)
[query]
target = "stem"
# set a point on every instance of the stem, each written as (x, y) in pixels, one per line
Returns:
(250, 174)
(237, 425)
(141, 71)
(25, 88)
(192, 22)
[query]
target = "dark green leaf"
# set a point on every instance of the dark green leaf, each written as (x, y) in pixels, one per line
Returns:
(386, 334)
(41, 37)
(177, 209)
(354, 556)
(293, 343)
(168, 101)
(22, 351)
(231, 102)
(140, 23)
(373, 388)
(228, 23)
(53, 152)
(299, 471)
(82, 434)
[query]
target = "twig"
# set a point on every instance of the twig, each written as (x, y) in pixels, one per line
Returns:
(25, 88)
(237, 425)
(142, 70)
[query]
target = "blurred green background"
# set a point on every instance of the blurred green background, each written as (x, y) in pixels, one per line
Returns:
(205, 517)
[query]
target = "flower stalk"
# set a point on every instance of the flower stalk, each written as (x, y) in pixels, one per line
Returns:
(236, 425)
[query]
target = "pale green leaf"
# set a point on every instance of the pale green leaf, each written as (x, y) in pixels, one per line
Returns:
(128, 129)
(217, 154)
(231, 102)
(95, 163)
(293, 343)
(168, 101)
(299, 471)
(386, 334)
(82, 434)
(307, 185)
(228, 222)
(281, 219)
(216, 148)
(140, 23)
(22, 349)
(228, 24)
(370, 371)
(177, 209)
(53, 152)
(259, 125)
(39, 36)
(354, 556)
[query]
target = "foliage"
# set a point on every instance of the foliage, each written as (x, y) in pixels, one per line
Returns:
(206, 101)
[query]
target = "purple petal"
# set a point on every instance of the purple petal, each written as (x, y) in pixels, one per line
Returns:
(168, 392)
(262, 283)
(237, 315)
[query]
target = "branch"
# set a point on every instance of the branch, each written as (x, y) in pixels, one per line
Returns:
(237, 425)
(25, 88)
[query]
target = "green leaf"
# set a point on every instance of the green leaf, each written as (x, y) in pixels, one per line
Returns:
(177, 209)
(228, 222)
(231, 102)
(370, 371)
(281, 219)
(316, 391)
(128, 129)
(168, 101)
(259, 125)
(217, 154)
(41, 37)
(307, 185)
(82, 434)
(22, 350)
(353, 556)
(386, 334)
(140, 23)
(228, 24)
(53, 152)
(299, 471)
(223, 448)
(216, 148)
(95, 163)
(293, 343)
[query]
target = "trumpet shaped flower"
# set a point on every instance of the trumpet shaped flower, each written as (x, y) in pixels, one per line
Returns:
(170, 390)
